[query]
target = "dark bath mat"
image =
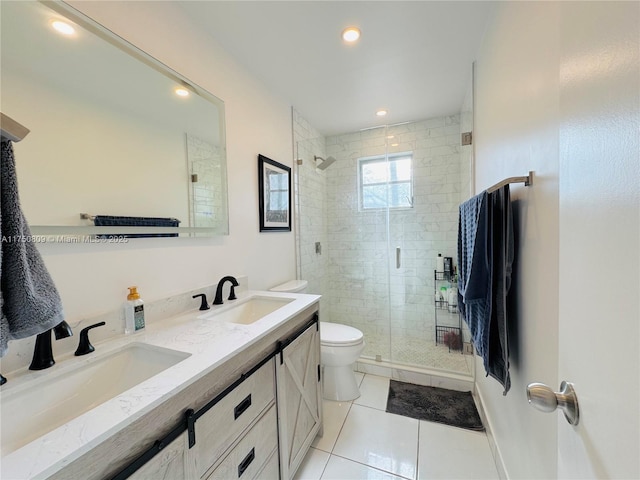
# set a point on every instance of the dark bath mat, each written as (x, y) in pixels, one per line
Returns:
(434, 405)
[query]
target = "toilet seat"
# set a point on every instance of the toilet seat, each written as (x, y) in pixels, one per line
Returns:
(334, 334)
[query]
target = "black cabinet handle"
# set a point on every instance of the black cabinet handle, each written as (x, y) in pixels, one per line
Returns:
(244, 464)
(241, 407)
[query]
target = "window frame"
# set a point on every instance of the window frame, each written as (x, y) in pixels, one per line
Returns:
(386, 159)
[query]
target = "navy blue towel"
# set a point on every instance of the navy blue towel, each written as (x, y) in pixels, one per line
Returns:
(502, 236)
(118, 221)
(485, 258)
(474, 269)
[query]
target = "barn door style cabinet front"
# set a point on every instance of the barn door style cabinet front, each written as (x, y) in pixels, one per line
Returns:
(258, 427)
(299, 396)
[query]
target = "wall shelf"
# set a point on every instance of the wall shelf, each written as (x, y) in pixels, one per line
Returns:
(448, 322)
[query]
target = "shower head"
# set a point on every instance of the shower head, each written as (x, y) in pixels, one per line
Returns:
(324, 163)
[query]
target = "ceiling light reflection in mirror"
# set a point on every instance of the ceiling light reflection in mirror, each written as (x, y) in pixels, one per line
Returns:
(109, 133)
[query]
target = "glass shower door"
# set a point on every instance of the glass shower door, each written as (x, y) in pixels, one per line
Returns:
(418, 232)
(369, 228)
(409, 334)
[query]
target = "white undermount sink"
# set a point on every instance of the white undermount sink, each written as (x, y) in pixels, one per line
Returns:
(249, 310)
(32, 410)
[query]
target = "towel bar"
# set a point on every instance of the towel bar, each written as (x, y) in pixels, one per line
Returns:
(528, 181)
(12, 130)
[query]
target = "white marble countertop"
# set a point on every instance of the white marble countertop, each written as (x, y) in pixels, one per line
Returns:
(210, 342)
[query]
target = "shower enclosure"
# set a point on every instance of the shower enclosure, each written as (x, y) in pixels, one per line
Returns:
(370, 226)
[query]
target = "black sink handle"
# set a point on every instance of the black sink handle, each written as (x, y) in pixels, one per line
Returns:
(203, 305)
(84, 345)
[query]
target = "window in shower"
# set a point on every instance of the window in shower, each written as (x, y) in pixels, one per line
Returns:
(385, 181)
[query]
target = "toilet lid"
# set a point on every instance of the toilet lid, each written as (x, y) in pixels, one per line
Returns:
(291, 286)
(337, 334)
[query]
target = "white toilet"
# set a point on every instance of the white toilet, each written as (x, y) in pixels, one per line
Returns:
(340, 347)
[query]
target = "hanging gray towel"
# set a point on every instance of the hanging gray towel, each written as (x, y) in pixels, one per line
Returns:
(30, 301)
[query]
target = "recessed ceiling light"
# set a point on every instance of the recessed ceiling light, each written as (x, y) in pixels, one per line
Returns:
(63, 27)
(395, 144)
(351, 34)
(390, 137)
(381, 112)
(182, 92)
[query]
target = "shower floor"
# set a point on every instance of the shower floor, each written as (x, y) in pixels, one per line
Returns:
(416, 352)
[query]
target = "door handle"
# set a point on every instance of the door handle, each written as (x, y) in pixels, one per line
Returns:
(398, 253)
(543, 398)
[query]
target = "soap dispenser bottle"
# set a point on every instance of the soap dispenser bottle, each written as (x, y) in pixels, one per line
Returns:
(133, 312)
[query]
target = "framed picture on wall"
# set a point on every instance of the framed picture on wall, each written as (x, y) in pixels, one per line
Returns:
(274, 189)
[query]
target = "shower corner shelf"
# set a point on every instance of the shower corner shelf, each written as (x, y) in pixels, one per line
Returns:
(448, 321)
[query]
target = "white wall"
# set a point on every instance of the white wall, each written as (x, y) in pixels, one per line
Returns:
(557, 93)
(92, 279)
(516, 130)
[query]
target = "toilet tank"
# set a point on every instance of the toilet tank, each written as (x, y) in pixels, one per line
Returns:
(292, 286)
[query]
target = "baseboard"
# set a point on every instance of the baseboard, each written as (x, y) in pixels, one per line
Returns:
(495, 448)
(416, 375)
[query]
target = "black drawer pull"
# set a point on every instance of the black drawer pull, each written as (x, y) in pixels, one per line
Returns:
(244, 464)
(241, 407)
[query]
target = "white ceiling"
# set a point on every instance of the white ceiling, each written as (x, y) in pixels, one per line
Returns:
(413, 59)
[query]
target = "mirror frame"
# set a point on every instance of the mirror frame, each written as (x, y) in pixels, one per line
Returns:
(88, 233)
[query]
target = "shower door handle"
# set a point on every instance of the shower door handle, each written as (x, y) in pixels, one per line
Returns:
(398, 257)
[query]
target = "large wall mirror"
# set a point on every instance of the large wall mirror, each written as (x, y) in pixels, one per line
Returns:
(111, 136)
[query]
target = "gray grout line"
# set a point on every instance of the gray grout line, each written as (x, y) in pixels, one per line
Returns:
(369, 466)
(331, 454)
(364, 464)
(337, 437)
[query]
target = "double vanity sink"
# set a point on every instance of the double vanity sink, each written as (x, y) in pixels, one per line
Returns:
(51, 417)
(35, 408)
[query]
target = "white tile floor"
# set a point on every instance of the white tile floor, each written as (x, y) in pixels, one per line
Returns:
(362, 441)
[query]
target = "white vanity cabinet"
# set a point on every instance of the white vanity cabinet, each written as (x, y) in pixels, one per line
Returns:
(252, 417)
(299, 398)
(244, 424)
(253, 451)
(174, 461)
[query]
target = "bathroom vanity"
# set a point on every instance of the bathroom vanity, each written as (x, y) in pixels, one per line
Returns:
(245, 402)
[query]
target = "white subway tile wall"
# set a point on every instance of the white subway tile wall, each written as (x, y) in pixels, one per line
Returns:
(208, 199)
(310, 208)
(357, 273)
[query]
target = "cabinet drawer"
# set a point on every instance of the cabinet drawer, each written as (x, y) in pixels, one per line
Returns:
(220, 426)
(172, 462)
(249, 456)
(271, 471)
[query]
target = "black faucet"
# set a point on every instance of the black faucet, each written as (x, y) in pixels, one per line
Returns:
(232, 295)
(84, 345)
(42, 353)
